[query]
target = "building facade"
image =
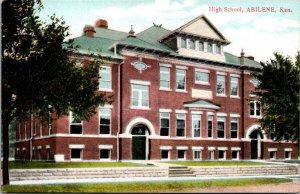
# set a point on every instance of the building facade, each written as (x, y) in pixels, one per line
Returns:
(177, 95)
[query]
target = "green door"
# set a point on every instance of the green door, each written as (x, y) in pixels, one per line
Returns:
(254, 149)
(138, 147)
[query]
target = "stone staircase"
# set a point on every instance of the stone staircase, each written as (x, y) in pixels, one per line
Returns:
(180, 171)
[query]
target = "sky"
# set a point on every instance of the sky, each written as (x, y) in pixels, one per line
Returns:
(260, 34)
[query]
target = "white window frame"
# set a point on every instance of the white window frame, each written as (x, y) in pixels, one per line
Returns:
(76, 159)
(237, 85)
(238, 150)
(108, 68)
(237, 126)
(199, 46)
(19, 130)
(163, 117)
(224, 83)
(255, 109)
(161, 154)
(176, 74)
(139, 91)
(197, 149)
(169, 77)
(105, 147)
(185, 39)
(212, 50)
(224, 149)
(181, 148)
(219, 119)
(211, 150)
(202, 71)
(212, 125)
(274, 150)
(70, 123)
(289, 150)
(193, 129)
(176, 116)
(25, 130)
(101, 114)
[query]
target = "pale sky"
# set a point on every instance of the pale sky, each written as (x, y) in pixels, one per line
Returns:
(259, 34)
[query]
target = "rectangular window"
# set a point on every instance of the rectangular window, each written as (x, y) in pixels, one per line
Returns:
(180, 79)
(233, 86)
(105, 78)
(220, 127)
(201, 77)
(287, 155)
(233, 127)
(209, 125)
(180, 125)
(164, 154)
(197, 155)
(40, 154)
(196, 125)
(139, 95)
(181, 154)
(235, 154)
(209, 47)
(192, 44)
(48, 153)
(211, 154)
(218, 49)
(254, 108)
(221, 155)
(75, 124)
(49, 123)
(201, 46)
(104, 154)
(272, 155)
(220, 84)
(19, 130)
(164, 124)
(183, 42)
(164, 75)
(25, 130)
(104, 124)
(76, 154)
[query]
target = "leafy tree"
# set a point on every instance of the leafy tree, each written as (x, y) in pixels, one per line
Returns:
(39, 74)
(279, 92)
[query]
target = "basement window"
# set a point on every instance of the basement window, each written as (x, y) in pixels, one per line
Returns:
(181, 154)
(104, 154)
(164, 154)
(76, 154)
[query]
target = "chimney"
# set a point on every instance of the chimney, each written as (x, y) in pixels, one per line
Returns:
(101, 23)
(89, 31)
(131, 32)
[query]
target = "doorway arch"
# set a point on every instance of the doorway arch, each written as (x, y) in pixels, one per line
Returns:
(139, 142)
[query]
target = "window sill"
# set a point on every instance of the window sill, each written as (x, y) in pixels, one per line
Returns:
(140, 108)
(182, 91)
(104, 159)
(221, 95)
(105, 90)
(165, 89)
(255, 117)
(237, 97)
(76, 159)
(202, 83)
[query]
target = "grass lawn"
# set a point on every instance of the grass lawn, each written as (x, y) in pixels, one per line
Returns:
(36, 164)
(218, 163)
(149, 187)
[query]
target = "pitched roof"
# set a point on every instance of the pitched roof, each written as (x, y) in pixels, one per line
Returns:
(105, 39)
(199, 103)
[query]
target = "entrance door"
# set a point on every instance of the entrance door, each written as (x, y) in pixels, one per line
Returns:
(138, 142)
(255, 137)
(254, 149)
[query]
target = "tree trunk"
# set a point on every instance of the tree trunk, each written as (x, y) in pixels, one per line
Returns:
(5, 141)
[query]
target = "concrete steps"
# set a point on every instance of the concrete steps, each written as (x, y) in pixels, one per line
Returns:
(180, 171)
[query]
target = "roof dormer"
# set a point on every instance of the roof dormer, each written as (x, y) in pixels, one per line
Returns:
(198, 38)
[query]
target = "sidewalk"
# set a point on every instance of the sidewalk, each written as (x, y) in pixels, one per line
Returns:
(296, 178)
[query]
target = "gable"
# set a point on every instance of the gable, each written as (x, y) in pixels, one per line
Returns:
(201, 27)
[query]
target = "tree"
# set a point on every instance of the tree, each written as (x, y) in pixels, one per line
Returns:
(39, 74)
(279, 92)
